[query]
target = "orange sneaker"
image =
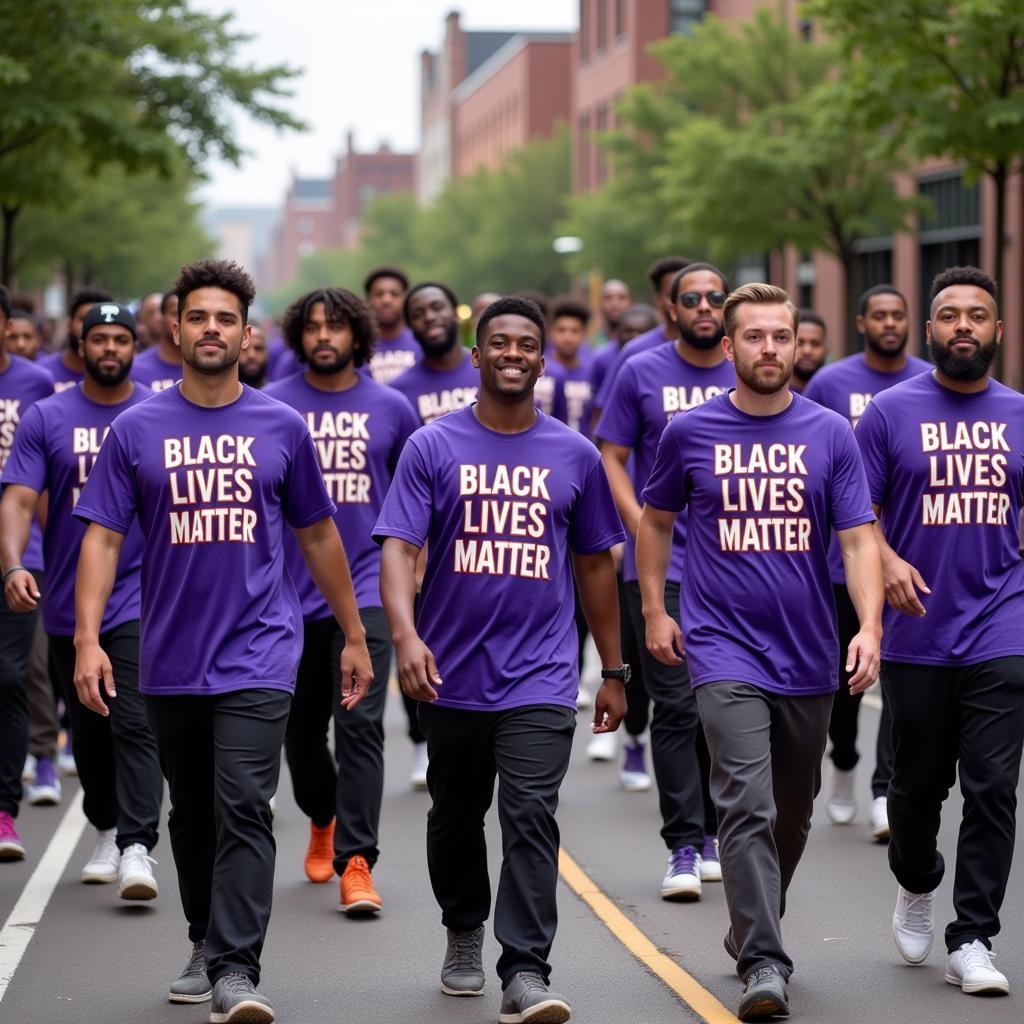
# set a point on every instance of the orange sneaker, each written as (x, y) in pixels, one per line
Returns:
(319, 861)
(358, 895)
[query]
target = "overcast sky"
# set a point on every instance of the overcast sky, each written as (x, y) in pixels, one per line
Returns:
(360, 64)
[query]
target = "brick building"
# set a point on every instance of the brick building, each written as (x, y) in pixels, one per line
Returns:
(305, 225)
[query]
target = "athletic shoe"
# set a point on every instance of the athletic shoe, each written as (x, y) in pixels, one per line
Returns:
(602, 747)
(764, 995)
(11, 846)
(842, 805)
(28, 773)
(526, 998)
(319, 862)
(584, 699)
(358, 896)
(913, 924)
(462, 973)
(633, 775)
(420, 760)
(45, 788)
(880, 819)
(135, 874)
(971, 968)
(710, 865)
(236, 1001)
(682, 879)
(102, 865)
(193, 984)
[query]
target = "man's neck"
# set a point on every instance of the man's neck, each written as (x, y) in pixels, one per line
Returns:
(72, 360)
(885, 364)
(392, 332)
(505, 415)
(101, 394)
(169, 352)
(702, 358)
(210, 390)
(340, 381)
(756, 404)
(451, 360)
(964, 387)
(569, 362)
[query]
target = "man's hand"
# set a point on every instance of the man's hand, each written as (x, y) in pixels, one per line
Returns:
(864, 657)
(609, 706)
(21, 592)
(664, 638)
(900, 579)
(417, 670)
(93, 673)
(356, 673)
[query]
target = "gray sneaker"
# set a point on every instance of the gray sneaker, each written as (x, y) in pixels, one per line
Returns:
(462, 973)
(192, 985)
(236, 1001)
(765, 995)
(526, 998)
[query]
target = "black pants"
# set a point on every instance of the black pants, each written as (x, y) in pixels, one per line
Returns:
(221, 756)
(116, 756)
(16, 632)
(687, 811)
(527, 749)
(971, 718)
(638, 703)
(842, 726)
(348, 788)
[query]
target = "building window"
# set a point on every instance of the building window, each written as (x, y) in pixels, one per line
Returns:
(602, 24)
(620, 19)
(807, 29)
(304, 225)
(685, 15)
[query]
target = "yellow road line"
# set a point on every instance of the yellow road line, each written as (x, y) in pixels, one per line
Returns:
(698, 998)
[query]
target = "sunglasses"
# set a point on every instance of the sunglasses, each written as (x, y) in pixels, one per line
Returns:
(691, 300)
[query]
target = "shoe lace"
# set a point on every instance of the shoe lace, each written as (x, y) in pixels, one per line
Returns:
(761, 976)
(358, 872)
(136, 858)
(197, 961)
(235, 983)
(918, 910)
(464, 947)
(684, 860)
(532, 982)
(976, 955)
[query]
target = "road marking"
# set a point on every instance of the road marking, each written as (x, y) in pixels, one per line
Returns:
(21, 923)
(698, 998)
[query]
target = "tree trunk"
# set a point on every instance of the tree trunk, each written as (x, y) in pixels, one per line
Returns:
(10, 215)
(1001, 231)
(848, 259)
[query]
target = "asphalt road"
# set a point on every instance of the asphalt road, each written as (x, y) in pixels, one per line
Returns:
(93, 959)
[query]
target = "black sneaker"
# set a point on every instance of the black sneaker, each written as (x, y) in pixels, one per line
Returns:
(236, 1001)
(527, 999)
(765, 995)
(462, 973)
(193, 985)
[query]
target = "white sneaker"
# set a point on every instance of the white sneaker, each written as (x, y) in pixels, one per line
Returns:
(842, 805)
(682, 879)
(103, 864)
(971, 968)
(28, 773)
(633, 775)
(584, 699)
(880, 819)
(420, 760)
(136, 874)
(913, 924)
(602, 747)
(44, 790)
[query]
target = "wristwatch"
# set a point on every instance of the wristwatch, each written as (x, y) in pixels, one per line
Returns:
(622, 674)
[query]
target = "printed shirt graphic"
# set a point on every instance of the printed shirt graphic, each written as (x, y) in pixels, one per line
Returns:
(650, 391)
(642, 343)
(762, 495)
(54, 450)
(576, 391)
(435, 393)
(391, 359)
(548, 393)
(358, 435)
(846, 387)
(63, 378)
(499, 514)
(151, 369)
(947, 470)
(214, 490)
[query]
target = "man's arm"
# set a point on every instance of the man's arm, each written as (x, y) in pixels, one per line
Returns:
(899, 577)
(614, 457)
(864, 580)
(653, 551)
(16, 510)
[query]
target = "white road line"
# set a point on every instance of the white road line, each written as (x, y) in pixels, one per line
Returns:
(21, 923)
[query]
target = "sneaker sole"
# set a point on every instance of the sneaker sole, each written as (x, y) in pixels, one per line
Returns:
(361, 908)
(712, 875)
(12, 851)
(550, 1011)
(841, 819)
(247, 1012)
(138, 889)
(881, 835)
(418, 785)
(462, 991)
(681, 895)
(635, 787)
(94, 878)
(764, 1008)
(320, 879)
(44, 798)
(180, 997)
(899, 948)
(989, 988)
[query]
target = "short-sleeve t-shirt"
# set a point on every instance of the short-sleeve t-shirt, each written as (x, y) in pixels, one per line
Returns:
(54, 450)
(642, 343)
(358, 435)
(63, 378)
(762, 495)
(549, 395)
(500, 514)
(392, 358)
(214, 490)
(435, 393)
(151, 369)
(947, 470)
(577, 392)
(650, 390)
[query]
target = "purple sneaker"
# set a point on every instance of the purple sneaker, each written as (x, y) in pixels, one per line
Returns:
(710, 866)
(11, 846)
(45, 789)
(682, 879)
(633, 775)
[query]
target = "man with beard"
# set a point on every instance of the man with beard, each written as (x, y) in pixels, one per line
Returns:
(252, 363)
(151, 319)
(54, 451)
(811, 349)
(944, 455)
(159, 367)
(510, 503)
(359, 428)
(846, 387)
(615, 300)
(650, 390)
(396, 349)
(23, 337)
(765, 477)
(66, 366)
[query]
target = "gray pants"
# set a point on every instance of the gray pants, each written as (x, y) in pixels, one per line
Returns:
(43, 726)
(766, 752)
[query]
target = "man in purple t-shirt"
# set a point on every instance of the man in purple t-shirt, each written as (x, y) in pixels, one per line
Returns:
(396, 348)
(159, 366)
(765, 477)
(944, 454)
(214, 471)
(66, 366)
(569, 365)
(811, 349)
(54, 451)
(509, 503)
(846, 387)
(359, 428)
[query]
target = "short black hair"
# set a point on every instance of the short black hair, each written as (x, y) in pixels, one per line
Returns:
(22, 314)
(379, 272)
(5, 302)
(511, 305)
(879, 289)
(339, 304)
(88, 295)
(167, 296)
(569, 307)
(808, 316)
(964, 275)
(691, 268)
(449, 295)
(660, 269)
(225, 274)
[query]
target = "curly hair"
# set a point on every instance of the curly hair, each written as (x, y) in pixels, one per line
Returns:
(339, 304)
(964, 275)
(225, 274)
(511, 305)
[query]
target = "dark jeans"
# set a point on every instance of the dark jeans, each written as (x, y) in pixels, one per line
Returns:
(116, 756)
(842, 726)
(969, 717)
(348, 788)
(221, 755)
(16, 631)
(527, 749)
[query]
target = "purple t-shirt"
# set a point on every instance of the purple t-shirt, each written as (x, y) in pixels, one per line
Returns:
(947, 470)
(500, 514)
(391, 359)
(601, 363)
(286, 365)
(214, 490)
(54, 450)
(358, 435)
(577, 392)
(649, 391)
(549, 395)
(762, 494)
(151, 369)
(642, 343)
(435, 393)
(63, 378)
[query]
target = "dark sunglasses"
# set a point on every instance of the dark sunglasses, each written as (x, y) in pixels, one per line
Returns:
(691, 300)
